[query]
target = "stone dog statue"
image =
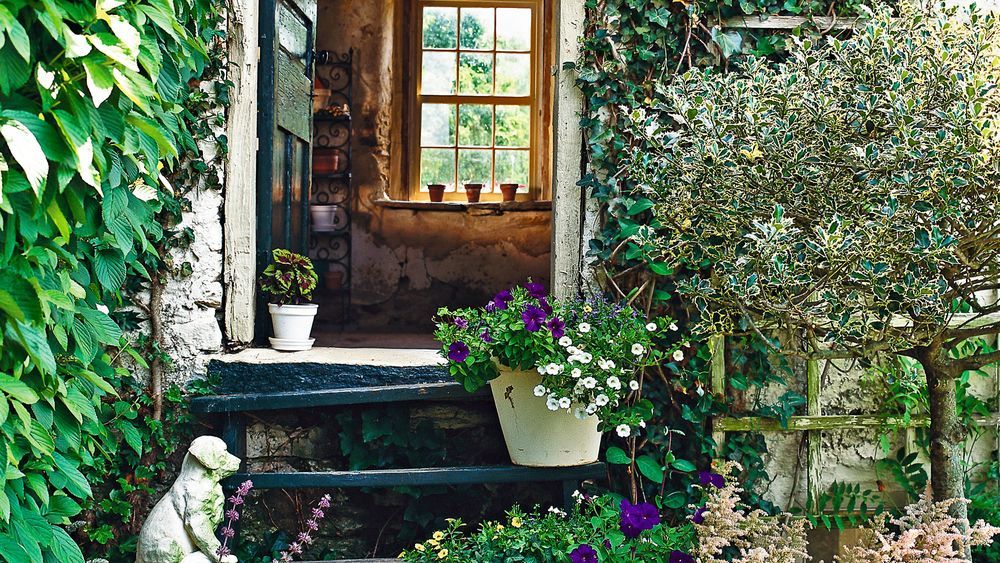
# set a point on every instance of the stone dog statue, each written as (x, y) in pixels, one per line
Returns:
(181, 527)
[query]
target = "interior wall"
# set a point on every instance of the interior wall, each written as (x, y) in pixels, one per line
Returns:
(407, 263)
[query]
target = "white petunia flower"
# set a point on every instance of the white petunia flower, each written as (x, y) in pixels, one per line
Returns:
(553, 369)
(602, 363)
(642, 423)
(651, 327)
(541, 370)
(584, 327)
(673, 326)
(556, 511)
(638, 349)
(614, 382)
(565, 341)
(633, 385)
(539, 390)
(572, 349)
(552, 403)
(575, 373)
(565, 402)
(601, 400)
(591, 408)
(678, 356)
(623, 430)
(589, 382)
(580, 413)
(586, 357)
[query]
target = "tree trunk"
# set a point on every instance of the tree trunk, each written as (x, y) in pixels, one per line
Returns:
(946, 437)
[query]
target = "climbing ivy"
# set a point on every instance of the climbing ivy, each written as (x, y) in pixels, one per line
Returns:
(92, 124)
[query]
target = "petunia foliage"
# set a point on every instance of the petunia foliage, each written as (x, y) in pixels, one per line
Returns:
(91, 123)
(849, 195)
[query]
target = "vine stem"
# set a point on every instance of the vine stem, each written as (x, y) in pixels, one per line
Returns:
(155, 346)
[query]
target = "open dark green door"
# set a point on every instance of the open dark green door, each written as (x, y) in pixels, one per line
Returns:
(284, 127)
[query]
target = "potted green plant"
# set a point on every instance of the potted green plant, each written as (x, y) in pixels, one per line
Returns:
(290, 281)
(561, 373)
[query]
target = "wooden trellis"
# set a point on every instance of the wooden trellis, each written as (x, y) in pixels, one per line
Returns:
(814, 422)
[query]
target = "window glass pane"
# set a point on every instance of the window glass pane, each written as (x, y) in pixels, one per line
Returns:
(476, 73)
(440, 27)
(474, 166)
(512, 168)
(477, 28)
(513, 126)
(475, 125)
(438, 73)
(513, 74)
(437, 125)
(437, 166)
(513, 29)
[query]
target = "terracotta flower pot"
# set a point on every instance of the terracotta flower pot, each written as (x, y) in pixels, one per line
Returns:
(326, 160)
(436, 191)
(509, 191)
(536, 436)
(472, 192)
(334, 279)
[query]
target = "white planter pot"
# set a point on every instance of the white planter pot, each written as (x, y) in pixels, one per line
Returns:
(324, 218)
(292, 324)
(536, 436)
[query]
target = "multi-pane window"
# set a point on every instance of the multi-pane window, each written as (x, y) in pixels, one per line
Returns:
(475, 95)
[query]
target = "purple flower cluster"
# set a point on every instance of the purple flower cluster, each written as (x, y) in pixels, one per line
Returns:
(637, 518)
(680, 557)
(232, 515)
(304, 539)
(500, 301)
(458, 351)
(583, 554)
(699, 515)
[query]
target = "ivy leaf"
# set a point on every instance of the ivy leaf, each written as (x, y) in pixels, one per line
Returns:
(729, 42)
(650, 468)
(64, 549)
(26, 152)
(617, 456)
(109, 265)
(99, 81)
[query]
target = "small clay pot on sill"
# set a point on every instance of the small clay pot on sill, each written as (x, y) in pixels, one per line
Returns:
(473, 191)
(509, 191)
(436, 192)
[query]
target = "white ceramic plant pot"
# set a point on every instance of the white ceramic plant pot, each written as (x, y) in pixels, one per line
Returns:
(324, 217)
(292, 325)
(536, 436)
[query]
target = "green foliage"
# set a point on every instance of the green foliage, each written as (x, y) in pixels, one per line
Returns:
(549, 537)
(841, 191)
(91, 122)
(289, 279)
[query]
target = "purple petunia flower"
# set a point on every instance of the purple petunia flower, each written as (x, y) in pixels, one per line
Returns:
(536, 290)
(637, 518)
(556, 327)
(699, 515)
(544, 304)
(533, 318)
(458, 351)
(583, 554)
(680, 557)
(485, 336)
(708, 478)
(500, 300)
(461, 323)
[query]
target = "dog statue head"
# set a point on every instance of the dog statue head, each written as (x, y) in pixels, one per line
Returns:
(211, 453)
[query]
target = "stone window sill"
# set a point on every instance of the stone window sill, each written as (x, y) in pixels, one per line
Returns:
(495, 206)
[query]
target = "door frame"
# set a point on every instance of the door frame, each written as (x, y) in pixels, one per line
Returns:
(241, 224)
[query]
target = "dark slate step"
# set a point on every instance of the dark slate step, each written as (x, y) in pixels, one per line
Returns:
(423, 476)
(244, 402)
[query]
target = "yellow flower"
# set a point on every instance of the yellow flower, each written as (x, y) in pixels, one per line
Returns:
(432, 543)
(516, 522)
(439, 535)
(419, 547)
(442, 554)
(587, 309)
(401, 555)
(499, 527)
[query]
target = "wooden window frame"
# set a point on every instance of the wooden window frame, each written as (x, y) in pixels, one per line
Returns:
(408, 65)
